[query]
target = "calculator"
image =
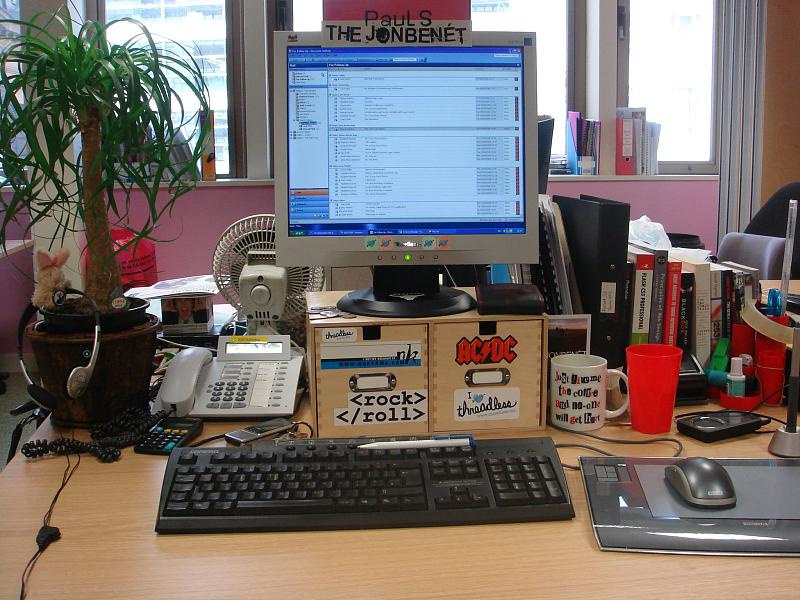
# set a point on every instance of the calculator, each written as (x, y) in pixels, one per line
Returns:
(169, 433)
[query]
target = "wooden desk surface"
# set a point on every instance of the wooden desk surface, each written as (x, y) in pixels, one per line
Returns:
(109, 549)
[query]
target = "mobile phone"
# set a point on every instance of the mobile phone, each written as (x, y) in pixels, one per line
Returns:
(255, 432)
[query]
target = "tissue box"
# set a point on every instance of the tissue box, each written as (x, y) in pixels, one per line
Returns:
(187, 314)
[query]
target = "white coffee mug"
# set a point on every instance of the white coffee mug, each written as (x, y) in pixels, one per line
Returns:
(578, 388)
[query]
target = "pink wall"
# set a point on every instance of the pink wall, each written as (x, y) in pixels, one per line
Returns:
(200, 217)
(16, 285)
(680, 206)
(197, 222)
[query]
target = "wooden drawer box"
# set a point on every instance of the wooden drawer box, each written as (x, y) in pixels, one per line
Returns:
(458, 373)
(490, 380)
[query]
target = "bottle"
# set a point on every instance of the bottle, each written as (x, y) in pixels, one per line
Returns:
(736, 379)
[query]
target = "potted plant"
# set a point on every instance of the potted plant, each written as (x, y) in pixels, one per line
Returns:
(65, 85)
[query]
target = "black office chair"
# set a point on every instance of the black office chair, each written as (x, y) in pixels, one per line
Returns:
(772, 217)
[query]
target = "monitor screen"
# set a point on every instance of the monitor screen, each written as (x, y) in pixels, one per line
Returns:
(405, 141)
(397, 155)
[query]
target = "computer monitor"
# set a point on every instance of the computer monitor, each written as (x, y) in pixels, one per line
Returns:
(406, 158)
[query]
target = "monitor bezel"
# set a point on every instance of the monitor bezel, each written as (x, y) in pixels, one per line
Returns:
(342, 251)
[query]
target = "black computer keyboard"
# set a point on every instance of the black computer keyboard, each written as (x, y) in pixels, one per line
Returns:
(332, 484)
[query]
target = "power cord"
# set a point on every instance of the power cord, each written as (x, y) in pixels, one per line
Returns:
(173, 343)
(47, 533)
(677, 442)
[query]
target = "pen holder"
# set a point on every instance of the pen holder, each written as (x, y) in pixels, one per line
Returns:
(743, 340)
(764, 343)
(770, 365)
(739, 402)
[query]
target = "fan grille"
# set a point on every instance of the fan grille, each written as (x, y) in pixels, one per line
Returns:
(257, 232)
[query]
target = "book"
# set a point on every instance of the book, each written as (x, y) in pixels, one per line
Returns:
(722, 302)
(653, 133)
(627, 297)
(625, 162)
(730, 301)
(701, 314)
(658, 301)
(550, 274)
(717, 306)
(642, 293)
(208, 162)
(583, 141)
(685, 311)
(671, 305)
(632, 133)
(559, 263)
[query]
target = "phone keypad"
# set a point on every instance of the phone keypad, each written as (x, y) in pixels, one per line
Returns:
(240, 384)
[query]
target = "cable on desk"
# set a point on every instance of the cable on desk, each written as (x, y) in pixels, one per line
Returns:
(206, 440)
(47, 533)
(172, 343)
(677, 442)
(310, 428)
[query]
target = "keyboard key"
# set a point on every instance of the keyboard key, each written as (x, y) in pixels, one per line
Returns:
(512, 498)
(265, 507)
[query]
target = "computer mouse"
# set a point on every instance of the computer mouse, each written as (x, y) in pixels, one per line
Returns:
(701, 482)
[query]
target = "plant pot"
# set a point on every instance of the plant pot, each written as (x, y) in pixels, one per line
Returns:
(60, 322)
(121, 377)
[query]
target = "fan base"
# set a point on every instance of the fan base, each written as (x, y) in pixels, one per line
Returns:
(446, 301)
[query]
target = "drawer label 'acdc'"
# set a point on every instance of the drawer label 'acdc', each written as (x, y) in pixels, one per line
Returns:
(374, 408)
(480, 352)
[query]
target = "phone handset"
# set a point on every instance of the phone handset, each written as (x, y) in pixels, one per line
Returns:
(177, 391)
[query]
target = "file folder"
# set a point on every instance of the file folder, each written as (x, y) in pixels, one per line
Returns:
(597, 233)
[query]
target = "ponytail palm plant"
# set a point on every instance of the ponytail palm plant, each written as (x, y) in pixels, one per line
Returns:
(84, 122)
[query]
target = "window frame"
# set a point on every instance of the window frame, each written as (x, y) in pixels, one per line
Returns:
(711, 166)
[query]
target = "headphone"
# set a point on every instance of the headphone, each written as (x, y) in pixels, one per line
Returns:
(79, 378)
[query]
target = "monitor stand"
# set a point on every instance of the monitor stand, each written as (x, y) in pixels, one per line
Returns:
(406, 291)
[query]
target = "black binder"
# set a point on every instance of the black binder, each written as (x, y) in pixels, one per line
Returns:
(597, 233)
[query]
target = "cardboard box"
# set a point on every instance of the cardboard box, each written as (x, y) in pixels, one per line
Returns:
(377, 376)
(372, 380)
(187, 314)
(487, 375)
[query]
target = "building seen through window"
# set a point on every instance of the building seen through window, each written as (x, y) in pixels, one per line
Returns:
(200, 27)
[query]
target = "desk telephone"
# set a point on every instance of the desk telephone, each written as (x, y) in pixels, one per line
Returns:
(252, 376)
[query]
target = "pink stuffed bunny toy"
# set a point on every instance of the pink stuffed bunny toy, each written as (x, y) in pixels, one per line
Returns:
(50, 277)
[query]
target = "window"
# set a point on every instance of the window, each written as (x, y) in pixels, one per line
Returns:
(200, 26)
(548, 18)
(9, 9)
(671, 72)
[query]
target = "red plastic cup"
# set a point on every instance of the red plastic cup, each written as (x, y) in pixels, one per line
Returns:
(763, 343)
(770, 365)
(743, 340)
(653, 375)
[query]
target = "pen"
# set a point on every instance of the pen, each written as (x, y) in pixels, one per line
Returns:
(444, 441)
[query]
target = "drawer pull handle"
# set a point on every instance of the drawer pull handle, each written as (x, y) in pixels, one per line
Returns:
(373, 382)
(496, 376)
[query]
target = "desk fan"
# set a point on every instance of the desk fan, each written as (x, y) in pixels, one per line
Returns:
(269, 297)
